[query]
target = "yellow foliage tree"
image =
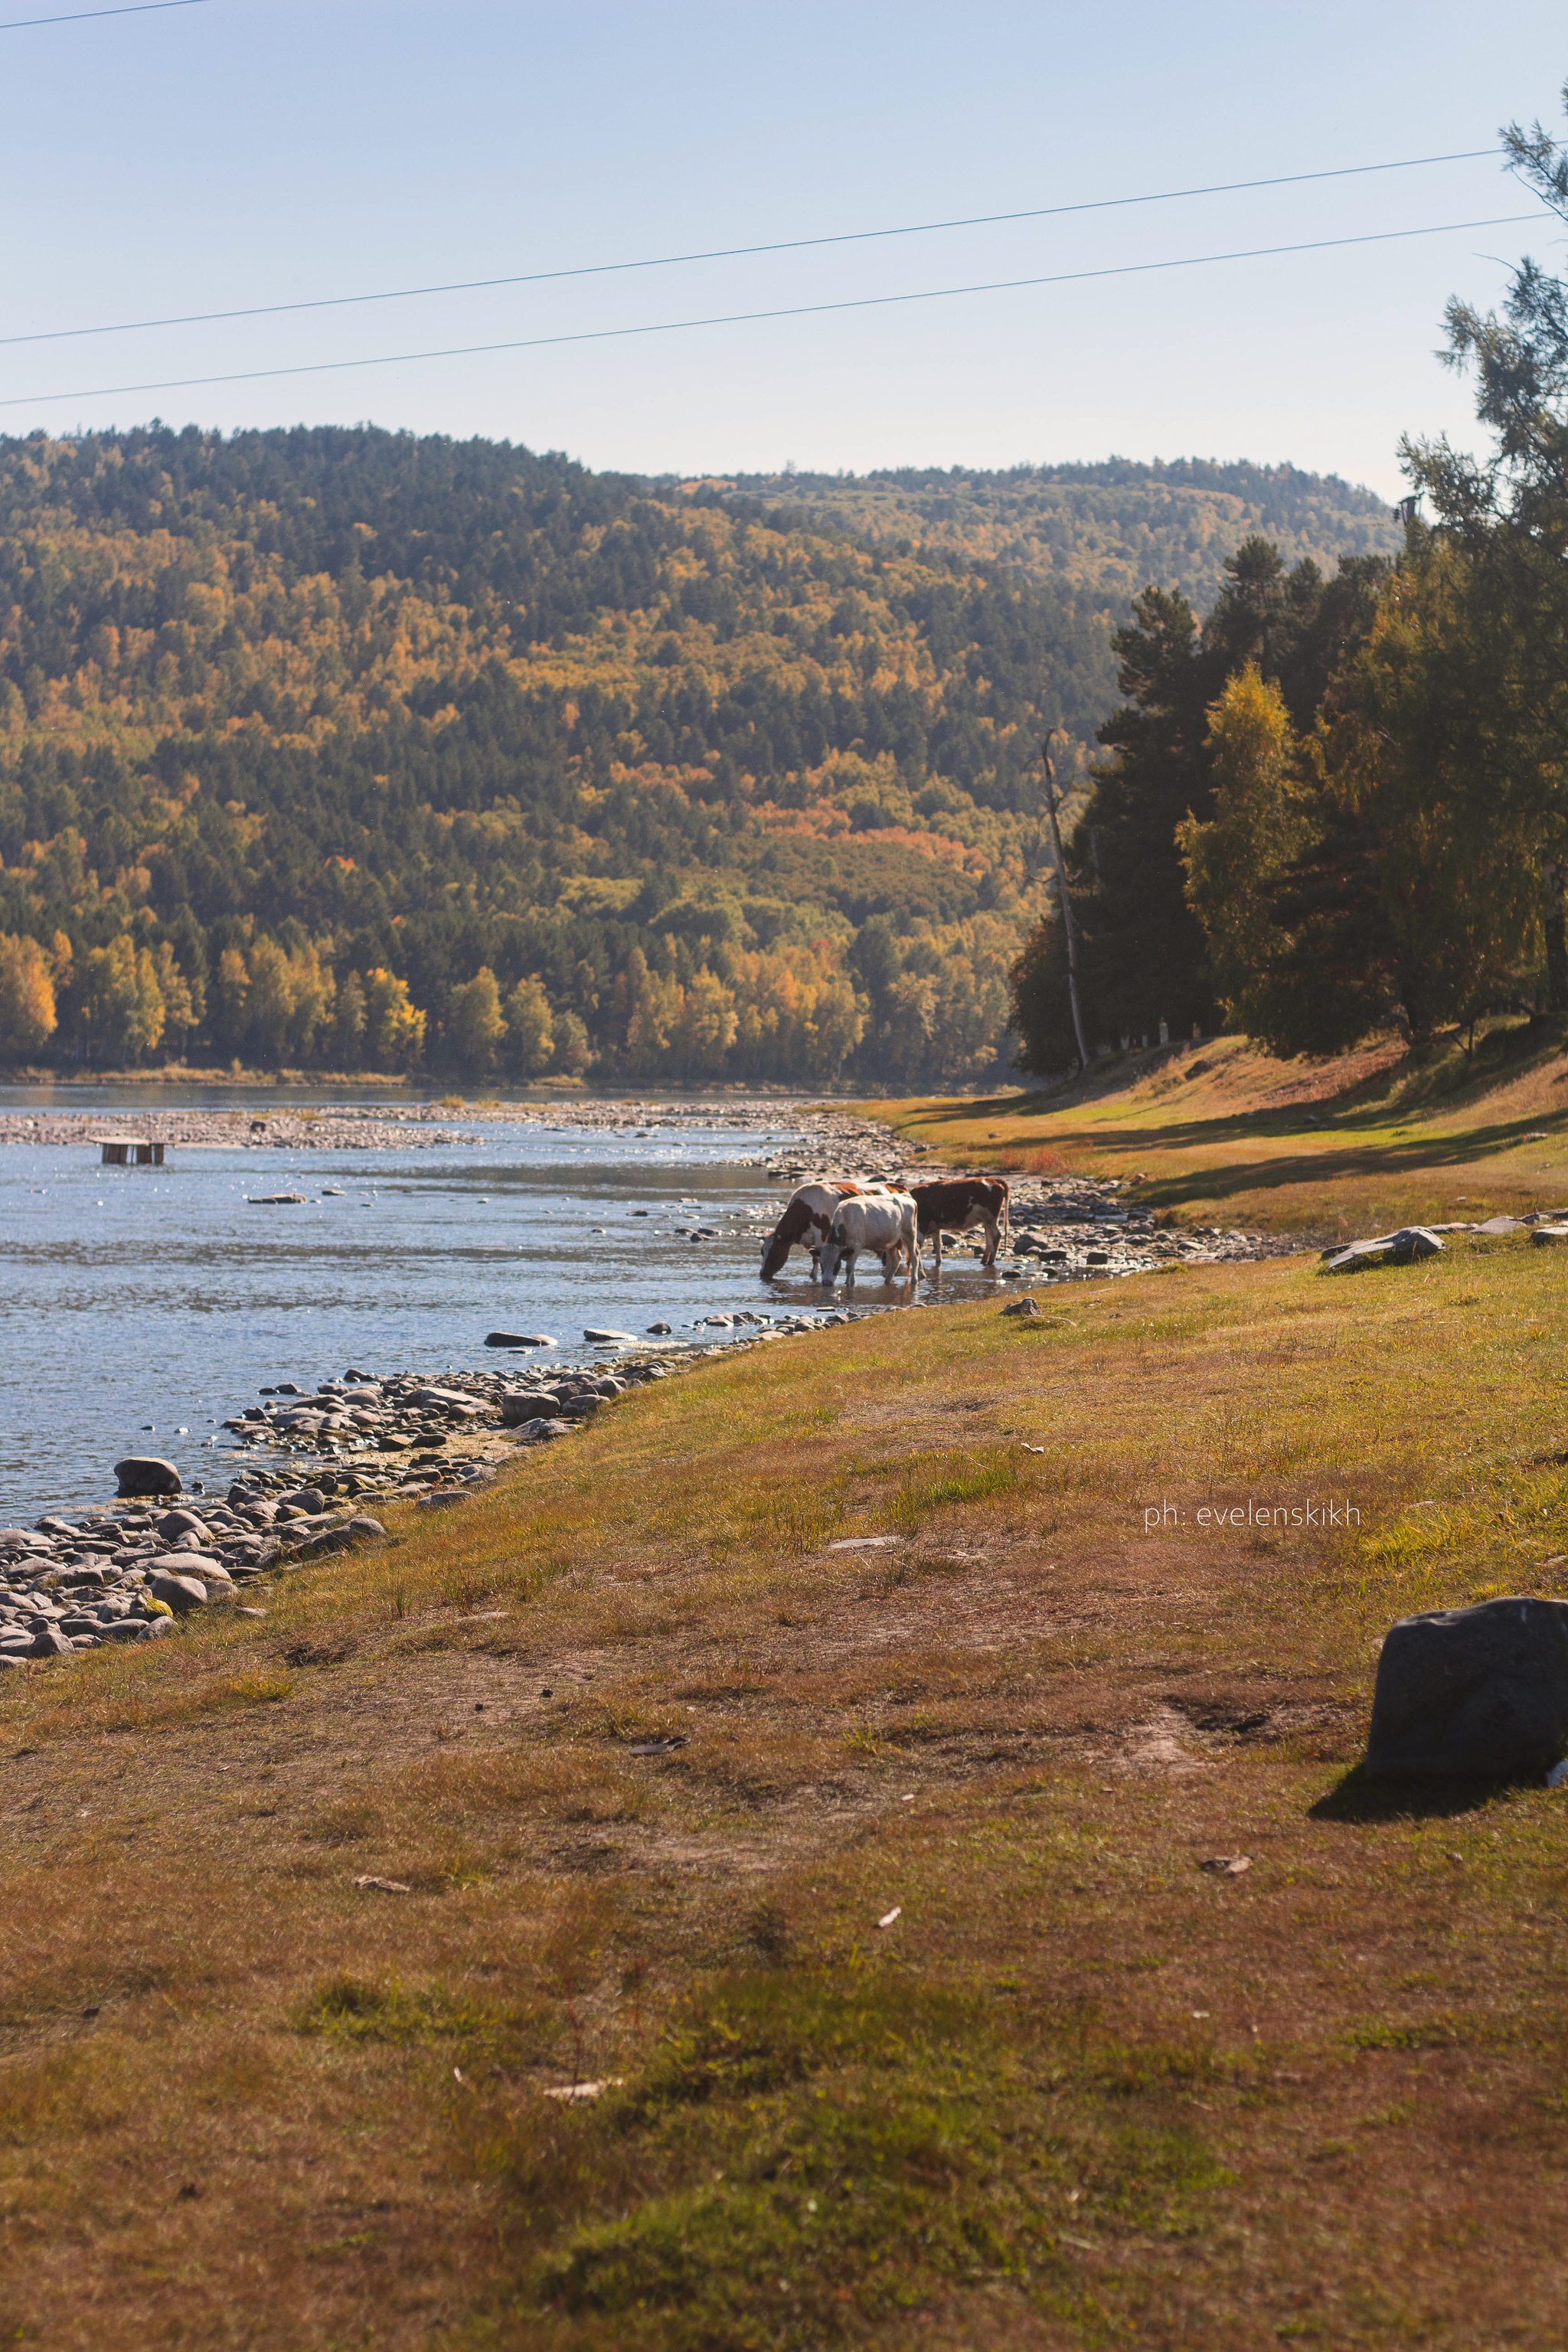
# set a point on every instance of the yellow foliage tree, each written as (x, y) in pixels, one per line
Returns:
(395, 1028)
(530, 1029)
(27, 995)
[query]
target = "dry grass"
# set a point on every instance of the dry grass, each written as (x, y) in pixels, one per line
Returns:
(1081, 2093)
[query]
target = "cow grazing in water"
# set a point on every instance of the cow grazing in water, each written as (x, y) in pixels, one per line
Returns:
(960, 1201)
(808, 1214)
(887, 1223)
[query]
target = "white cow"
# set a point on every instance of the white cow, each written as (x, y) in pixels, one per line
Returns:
(888, 1223)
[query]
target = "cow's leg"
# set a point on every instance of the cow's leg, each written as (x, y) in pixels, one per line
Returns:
(992, 1235)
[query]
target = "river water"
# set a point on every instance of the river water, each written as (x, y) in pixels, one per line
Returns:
(141, 1306)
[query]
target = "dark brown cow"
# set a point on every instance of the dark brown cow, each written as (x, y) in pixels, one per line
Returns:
(806, 1220)
(960, 1202)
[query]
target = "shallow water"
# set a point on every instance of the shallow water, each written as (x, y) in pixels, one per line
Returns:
(140, 1306)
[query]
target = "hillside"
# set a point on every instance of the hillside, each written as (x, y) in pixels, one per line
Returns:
(1219, 1132)
(345, 748)
(1105, 530)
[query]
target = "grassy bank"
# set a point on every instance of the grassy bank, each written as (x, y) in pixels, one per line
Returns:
(1080, 2091)
(1217, 1132)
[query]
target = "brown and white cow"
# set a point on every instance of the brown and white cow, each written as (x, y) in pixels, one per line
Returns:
(807, 1217)
(884, 1222)
(959, 1201)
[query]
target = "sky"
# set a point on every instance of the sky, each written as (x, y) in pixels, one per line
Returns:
(233, 153)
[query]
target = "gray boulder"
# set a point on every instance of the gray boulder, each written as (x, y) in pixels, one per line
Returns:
(175, 1524)
(48, 1642)
(145, 1474)
(181, 1592)
(1472, 1694)
(520, 1405)
(1403, 1248)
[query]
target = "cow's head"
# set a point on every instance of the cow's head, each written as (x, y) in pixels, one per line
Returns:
(824, 1269)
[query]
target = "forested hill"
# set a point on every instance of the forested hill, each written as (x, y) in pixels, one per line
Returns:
(1109, 530)
(345, 749)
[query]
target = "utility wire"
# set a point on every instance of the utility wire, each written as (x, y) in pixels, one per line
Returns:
(747, 318)
(740, 252)
(82, 15)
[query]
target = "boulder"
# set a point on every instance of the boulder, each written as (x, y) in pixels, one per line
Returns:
(128, 1628)
(443, 1496)
(519, 1340)
(1548, 1237)
(1028, 1307)
(1472, 1694)
(48, 1642)
(145, 1474)
(1403, 1248)
(179, 1592)
(538, 1433)
(520, 1405)
(602, 1337)
(176, 1524)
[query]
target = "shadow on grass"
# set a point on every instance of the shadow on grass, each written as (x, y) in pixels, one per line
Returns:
(1361, 1797)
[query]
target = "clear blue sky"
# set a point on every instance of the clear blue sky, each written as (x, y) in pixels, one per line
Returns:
(244, 151)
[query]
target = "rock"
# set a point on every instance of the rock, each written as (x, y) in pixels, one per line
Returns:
(160, 1629)
(1027, 1305)
(179, 1592)
(186, 1563)
(178, 1523)
(145, 1474)
(367, 1530)
(1500, 1225)
(1411, 1242)
(308, 1499)
(48, 1642)
(275, 1201)
(1472, 1694)
(1546, 1236)
(128, 1628)
(7, 1661)
(519, 1340)
(539, 1433)
(443, 1496)
(659, 1330)
(606, 1339)
(521, 1405)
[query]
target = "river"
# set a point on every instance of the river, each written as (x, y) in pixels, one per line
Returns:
(141, 1306)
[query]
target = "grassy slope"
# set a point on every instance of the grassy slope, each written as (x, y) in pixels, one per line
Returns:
(1080, 2092)
(1218, 1132)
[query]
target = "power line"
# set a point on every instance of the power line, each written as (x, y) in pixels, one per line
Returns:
(738, 252)
(82, 15)
(747, 318)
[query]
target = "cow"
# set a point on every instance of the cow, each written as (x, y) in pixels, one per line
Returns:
(808, 1214)
(959, 1201)
(885, 1223)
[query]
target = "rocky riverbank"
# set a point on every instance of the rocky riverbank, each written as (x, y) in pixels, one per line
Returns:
(310, 1465)
(389, 1127)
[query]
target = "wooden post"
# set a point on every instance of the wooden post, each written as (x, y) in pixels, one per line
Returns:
(1070, 928)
